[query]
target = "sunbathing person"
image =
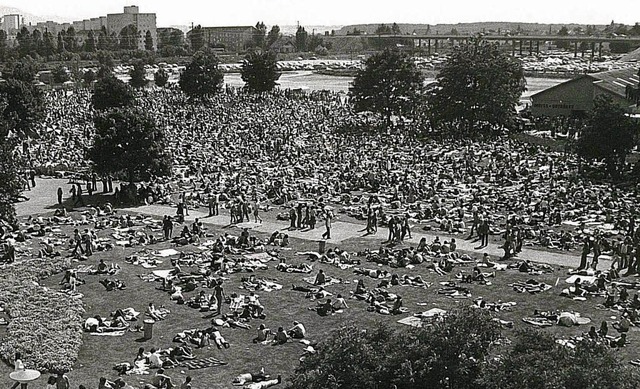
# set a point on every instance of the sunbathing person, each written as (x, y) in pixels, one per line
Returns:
(113, 284)
(297, 331)
(218, 339)
(154, 313)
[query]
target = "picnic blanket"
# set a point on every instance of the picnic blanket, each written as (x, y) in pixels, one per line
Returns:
(262, 257)
(166, 253)
(161, 273)
(202, 363)
(112, 333)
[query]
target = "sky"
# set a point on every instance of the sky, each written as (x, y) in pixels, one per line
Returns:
(344, 12)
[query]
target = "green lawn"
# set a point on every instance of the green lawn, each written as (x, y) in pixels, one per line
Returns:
(99, 354)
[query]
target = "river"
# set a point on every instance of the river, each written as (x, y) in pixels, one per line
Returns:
(309, 80)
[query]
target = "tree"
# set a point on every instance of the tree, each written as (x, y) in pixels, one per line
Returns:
(564, 31)
(48, 44)
(196, 37)
(314, 42)
(301, 39)
(537, 361)
(60, 45)
(128, 141)
(448, 354)
(138, 75)
(70, 40)
(477, 89)
(109, 92)
(129, 37)
(148, 41)
(259, 71)
(24, 39)
(89, 77)
(161, 78)
(274, 35)
(201, 77)
(383, 29)
(90, 42)
(60, 74)
(23, 70)
(259, 35)
(105, 60)
(10, 184)
(3, 45)
(389, 84)
(609, 135)
(23, 105)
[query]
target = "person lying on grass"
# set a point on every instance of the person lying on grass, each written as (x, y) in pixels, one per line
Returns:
(155, 313)
(113, 284)
(245, 378)
(316, 293)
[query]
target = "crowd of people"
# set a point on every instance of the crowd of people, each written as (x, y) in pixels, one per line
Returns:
(295, 153)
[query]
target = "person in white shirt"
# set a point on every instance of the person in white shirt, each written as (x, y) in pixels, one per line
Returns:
(297, 331)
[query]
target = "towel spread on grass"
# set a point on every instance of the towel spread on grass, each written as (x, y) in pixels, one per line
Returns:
(329, 281)
(112, 333)
(202, 363)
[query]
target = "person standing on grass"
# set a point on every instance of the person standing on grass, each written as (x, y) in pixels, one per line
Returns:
(59, 196)
(256, 212)
(327, 223)
(219, 293)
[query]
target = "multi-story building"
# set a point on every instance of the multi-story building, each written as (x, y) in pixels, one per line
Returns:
(232, 39)
(142, 21)
(112, 22)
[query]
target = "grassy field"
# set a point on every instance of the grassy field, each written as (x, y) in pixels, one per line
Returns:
(99, 354)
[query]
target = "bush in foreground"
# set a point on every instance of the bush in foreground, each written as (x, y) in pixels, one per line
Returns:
(448, 354)
(45, 325)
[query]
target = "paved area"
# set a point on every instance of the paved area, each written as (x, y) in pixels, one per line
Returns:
(42, 199)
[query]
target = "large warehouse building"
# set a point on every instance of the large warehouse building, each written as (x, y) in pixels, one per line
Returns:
(575, 97)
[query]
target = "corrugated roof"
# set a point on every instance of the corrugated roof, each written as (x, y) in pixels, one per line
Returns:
(616, 81)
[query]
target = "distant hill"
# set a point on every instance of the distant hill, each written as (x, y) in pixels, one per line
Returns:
(469, 28)
(30, 18)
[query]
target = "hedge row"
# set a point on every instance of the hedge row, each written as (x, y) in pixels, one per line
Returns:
(45, 325)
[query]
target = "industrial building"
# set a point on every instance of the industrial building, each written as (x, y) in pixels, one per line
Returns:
(575, 97)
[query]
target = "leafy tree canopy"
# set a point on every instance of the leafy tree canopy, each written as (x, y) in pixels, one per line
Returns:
(23, 106)
(446, 355)
(128, 141)
(138, 75)
(477, 89)
(161, 78)
(390, 84)
(201, 77)
(259, 71)
(538, 361)
(609, 135)
(109, 92)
